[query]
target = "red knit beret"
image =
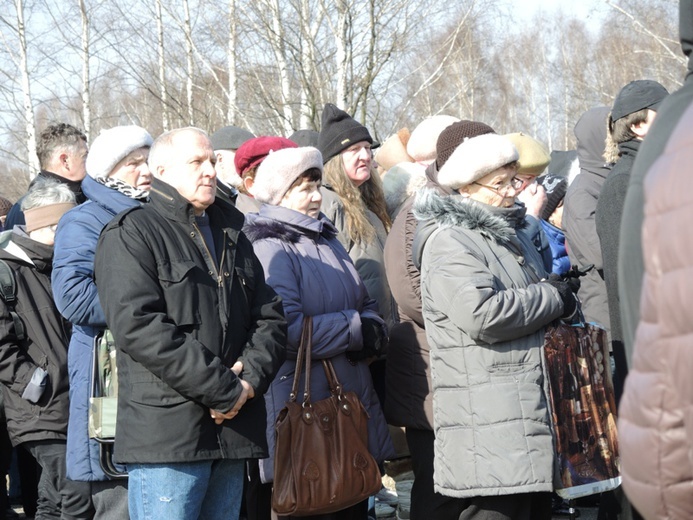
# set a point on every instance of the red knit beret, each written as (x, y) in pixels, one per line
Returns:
(253, 151)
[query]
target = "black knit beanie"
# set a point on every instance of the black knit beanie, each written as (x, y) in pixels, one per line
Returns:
(453, 135)
(338, 132)
(556, 187)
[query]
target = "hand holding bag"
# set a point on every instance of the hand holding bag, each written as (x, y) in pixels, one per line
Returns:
(321, 459)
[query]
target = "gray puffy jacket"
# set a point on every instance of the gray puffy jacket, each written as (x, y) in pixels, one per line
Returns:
(485, 313)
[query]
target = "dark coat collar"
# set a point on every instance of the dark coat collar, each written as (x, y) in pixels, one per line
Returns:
(166, 200)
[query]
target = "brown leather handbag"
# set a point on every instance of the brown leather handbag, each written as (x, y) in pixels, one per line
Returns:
(321, 458)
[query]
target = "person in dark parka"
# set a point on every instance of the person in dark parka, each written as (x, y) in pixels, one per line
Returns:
(33, 361)
(579, 208)
(631, 117)
(630, 256)
(199, 335)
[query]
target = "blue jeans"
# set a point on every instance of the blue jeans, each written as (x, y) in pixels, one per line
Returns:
(205, 490)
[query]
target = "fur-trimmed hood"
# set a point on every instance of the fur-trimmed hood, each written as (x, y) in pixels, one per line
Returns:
(434, 211)
(455, 210)
(286, 225)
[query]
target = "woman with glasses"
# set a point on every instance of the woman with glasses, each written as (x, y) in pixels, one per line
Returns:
(485, 305)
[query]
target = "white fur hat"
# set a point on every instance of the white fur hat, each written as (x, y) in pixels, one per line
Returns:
(111, 147)
(279, 171)
(422, 142)
(475, 158)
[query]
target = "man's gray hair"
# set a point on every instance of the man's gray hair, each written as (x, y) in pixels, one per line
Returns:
(45, 192)
(56, 138)
(159, 150)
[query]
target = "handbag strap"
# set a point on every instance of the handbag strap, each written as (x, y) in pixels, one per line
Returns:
(308, 347)
(332, 380)
(303, 354)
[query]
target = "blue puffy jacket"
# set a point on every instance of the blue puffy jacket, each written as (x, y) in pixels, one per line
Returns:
(75, 296)
(561, 261)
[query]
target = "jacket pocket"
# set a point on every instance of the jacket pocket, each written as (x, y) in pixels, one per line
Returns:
(180, 291)
(154, 392)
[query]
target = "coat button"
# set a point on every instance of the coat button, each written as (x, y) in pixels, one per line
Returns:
(210, 273)
(227, 274)
(192, 234)
(521, 260)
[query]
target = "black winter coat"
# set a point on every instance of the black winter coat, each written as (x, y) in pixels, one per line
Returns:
(580, 205)
(179, 323)
(45, 345)
(630, 258)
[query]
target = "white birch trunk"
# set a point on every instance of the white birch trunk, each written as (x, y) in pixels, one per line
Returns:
(86, 101)
(189, 61)
(342, 44)
(162, 67)
(279, 49)
(309, 31)
(232, 97)
(34, 166)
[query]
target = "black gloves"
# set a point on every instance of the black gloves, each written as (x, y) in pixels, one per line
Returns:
(373, 341)
(566, 292)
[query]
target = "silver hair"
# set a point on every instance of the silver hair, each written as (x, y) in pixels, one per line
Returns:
(44, 192)
(159, 150)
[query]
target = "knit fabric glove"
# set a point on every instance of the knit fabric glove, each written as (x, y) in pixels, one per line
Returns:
(373, 341)
(566, 293)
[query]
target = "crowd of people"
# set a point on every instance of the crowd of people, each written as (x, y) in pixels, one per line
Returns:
(431, 266)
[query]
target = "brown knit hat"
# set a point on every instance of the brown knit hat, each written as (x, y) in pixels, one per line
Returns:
(455, 134)
(5, 206)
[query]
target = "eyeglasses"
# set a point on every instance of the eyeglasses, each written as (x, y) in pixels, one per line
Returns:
(502, 189)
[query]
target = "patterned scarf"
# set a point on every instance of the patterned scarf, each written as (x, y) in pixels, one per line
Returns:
(124, 188)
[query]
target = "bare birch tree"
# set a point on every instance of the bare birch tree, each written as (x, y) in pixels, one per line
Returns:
(161, 65)
(86, 102)
(232, 96)
(187, 27)
(30, 126)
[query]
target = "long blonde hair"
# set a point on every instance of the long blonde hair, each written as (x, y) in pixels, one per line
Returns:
(368, 196)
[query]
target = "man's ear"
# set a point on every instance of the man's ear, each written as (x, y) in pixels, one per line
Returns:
(158, 172)
(640, 130)
(64, 160)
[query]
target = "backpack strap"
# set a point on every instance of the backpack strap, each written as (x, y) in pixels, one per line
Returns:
(8, 293)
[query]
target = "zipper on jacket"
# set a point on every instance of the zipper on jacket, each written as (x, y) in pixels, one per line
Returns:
(217, 269)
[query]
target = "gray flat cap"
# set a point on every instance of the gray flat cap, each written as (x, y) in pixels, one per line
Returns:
(230, 138)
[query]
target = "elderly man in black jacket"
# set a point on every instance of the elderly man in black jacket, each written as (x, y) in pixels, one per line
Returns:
(33, 351)
(199, 337)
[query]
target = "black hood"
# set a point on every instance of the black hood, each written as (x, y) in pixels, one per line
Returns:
(590, 132)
